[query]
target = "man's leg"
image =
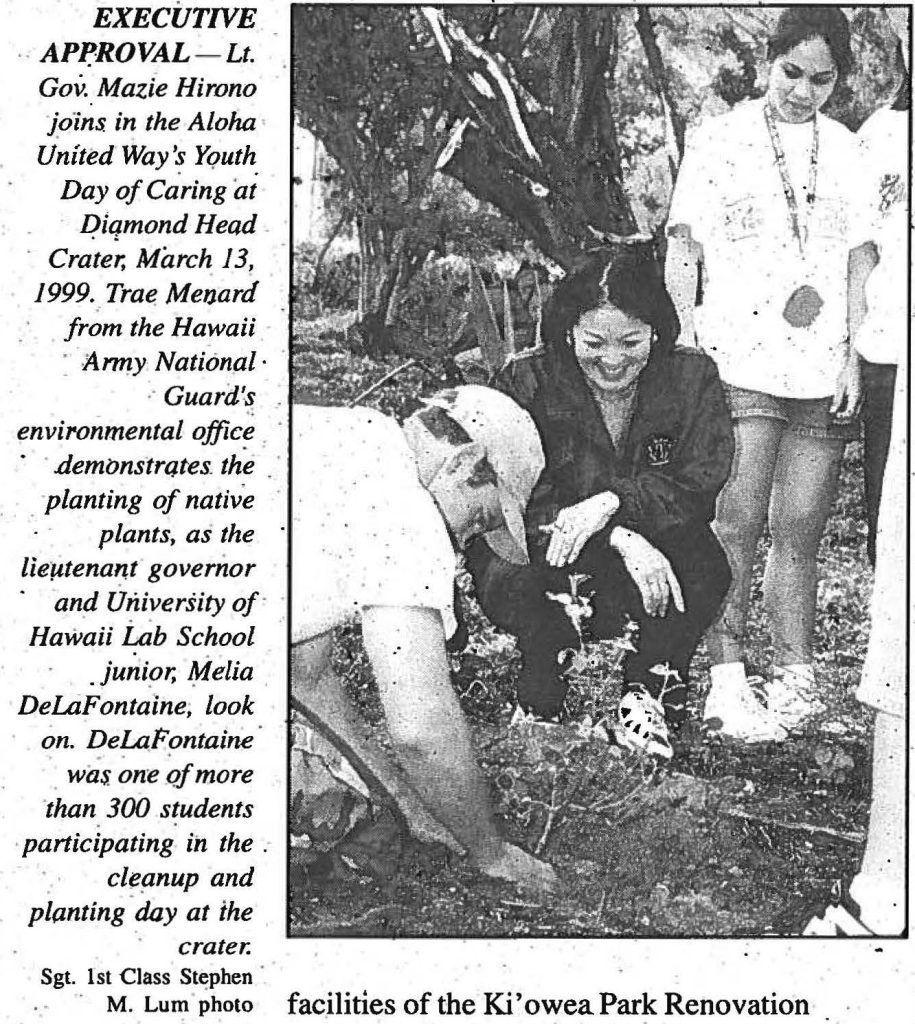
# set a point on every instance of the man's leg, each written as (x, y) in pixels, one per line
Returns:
(876, 420)
(876, 896)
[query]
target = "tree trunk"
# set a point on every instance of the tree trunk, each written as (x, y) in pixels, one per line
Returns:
(387, 265)
(322, 255)
(674, 122)
(365, 263)
(546, 153)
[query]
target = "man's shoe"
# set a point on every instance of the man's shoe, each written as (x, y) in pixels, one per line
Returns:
(735, 712)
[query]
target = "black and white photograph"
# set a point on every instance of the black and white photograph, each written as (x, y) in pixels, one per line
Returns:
(456, 492)
(599, 342)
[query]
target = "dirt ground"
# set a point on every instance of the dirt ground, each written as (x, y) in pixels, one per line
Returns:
(724, 840)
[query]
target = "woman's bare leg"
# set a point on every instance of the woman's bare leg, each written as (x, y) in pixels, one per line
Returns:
(803, 492)
(739, 523)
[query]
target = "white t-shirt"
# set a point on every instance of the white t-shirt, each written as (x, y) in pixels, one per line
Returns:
(365, 530)
(729, 192)
(884, 147)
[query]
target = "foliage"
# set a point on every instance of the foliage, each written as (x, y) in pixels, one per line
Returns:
(393, 94)
(362, 86)
(876, 75)
(538, 138)
(389, 108)
(729, 838)
(723, 842)
(336, 286)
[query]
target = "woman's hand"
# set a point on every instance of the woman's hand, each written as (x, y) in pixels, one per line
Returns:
(576, 525)
(847, 395)
(652, 573)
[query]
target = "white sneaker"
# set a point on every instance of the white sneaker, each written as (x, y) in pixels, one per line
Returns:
(791, 697)
(642, 726)
(734, 711)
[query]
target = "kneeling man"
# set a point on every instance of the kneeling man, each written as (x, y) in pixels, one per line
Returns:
(378, 511)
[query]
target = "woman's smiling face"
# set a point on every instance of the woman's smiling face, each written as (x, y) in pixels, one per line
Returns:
(802, 80)
(612, 347)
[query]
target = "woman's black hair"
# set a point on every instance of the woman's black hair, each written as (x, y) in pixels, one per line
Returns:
(798, 24)
(629, 277)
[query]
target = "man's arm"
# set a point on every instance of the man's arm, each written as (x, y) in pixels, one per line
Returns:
(847, 395)
(861, 262)
(319, 695)
(681, 275)
(440, 778)
(406, 647)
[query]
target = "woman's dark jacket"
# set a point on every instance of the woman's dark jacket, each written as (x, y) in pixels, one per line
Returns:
(669, 468)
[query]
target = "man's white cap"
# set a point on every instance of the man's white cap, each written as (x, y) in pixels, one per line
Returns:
(512, 446)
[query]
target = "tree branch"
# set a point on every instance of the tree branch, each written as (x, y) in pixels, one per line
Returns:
(319, 262)
(794, 826)
(673, 120)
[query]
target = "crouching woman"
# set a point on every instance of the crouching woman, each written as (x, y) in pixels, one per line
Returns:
(638, 443)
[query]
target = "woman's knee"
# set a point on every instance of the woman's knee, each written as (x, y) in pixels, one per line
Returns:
(797, 519)
(804, 490)
(743, 503)
(796, 534)
(704, 598)
(739, 524)
(515, 598)
(509, 594)
(701, 565)
(740, 518)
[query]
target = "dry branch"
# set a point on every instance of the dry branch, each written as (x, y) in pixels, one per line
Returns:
(794, 826)
(674, 123)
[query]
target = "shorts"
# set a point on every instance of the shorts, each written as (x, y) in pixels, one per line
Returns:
(806, 417)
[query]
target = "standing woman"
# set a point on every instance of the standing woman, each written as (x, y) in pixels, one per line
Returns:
(875, 901)
(884, 141)
(766, 200)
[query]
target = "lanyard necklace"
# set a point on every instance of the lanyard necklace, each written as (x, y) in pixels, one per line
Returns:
(800, 233)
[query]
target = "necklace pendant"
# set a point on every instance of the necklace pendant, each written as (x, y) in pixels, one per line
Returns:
(803, 306)
(797, 229)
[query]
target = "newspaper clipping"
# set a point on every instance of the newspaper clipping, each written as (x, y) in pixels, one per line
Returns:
(457, 493)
